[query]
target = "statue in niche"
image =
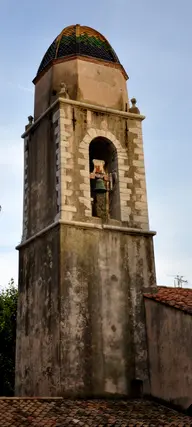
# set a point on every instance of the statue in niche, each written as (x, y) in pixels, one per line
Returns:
(101, 184)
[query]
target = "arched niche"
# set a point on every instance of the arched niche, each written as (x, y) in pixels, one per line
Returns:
(101, 148)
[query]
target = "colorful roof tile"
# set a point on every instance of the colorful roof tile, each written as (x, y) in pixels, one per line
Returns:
(180, 298)
(58, 412)
(77, 40)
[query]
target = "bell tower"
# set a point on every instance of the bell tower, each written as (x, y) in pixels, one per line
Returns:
(86, 254)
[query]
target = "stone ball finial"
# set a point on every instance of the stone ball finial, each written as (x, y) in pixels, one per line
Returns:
(30, 122)
(133, 101)
(134, 109)
(30, 119)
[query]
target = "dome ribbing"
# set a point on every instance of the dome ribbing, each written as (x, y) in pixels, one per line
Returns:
(79, 40)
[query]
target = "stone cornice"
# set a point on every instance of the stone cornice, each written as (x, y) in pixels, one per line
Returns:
(84, 105)
(88, 225)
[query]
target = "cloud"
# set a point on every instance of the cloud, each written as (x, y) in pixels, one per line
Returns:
(21, 87)
(26, 89)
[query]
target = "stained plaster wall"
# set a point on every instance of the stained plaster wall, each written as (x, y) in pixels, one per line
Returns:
(81, 325)
(88, 81)
(169, 346)
(43, 92)
(102, 85)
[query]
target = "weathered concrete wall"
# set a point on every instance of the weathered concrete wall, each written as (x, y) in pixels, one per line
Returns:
(81, 325)
(170, 353)
(40, 197)
(38, 319)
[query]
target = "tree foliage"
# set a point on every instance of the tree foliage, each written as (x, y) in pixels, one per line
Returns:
(8, 313)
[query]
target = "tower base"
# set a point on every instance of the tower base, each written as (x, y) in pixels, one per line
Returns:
(81, 322)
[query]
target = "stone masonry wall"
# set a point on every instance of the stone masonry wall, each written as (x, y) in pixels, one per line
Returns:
(25, 189)
(77, 127)
(57, 184)
(138, 202)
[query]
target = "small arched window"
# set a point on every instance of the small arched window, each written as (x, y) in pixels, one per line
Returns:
(104, 182)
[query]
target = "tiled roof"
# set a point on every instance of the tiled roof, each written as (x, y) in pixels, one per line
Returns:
(180, 298)
(79, 40)
(58, 412)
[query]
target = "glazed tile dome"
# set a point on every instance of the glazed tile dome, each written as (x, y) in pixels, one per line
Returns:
(79, 40)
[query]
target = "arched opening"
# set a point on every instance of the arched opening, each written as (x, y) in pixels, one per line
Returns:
(104, 182)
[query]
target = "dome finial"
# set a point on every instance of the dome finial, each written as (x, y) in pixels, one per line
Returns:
(133, 102)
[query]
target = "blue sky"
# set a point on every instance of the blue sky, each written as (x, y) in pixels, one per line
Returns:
(153, 41)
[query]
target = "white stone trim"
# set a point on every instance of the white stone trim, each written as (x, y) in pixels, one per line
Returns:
(122, 169)
(56, 118)
(67, 165)
(25, 189)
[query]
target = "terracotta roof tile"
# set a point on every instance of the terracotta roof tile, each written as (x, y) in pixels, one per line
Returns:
(60, 412)
(180, 298)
